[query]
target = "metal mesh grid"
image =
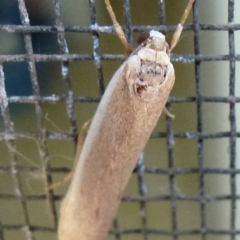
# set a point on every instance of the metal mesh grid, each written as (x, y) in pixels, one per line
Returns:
(10, 136)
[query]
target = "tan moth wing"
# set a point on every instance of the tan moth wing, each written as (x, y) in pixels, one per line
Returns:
(120, 129)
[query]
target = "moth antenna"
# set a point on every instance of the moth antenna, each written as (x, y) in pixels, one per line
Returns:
(177, 33)
(118, 28)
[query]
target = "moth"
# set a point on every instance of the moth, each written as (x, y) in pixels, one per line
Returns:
(125, 118)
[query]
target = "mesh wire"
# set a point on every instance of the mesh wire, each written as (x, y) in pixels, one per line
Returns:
(9, 136)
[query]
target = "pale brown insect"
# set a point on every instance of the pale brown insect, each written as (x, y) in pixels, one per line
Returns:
(120, 129)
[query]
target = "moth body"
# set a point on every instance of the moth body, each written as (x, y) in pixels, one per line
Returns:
(125, 118)
(120, 129)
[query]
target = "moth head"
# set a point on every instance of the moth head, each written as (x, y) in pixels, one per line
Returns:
(157, 41)
(157, 34)
(154, 40)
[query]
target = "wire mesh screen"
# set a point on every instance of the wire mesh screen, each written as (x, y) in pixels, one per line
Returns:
(56, 60)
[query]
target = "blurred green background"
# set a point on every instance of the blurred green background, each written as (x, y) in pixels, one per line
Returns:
(215, 80)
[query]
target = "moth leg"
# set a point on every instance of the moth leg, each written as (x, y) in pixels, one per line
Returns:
(177, 33)
(61, 182)
(118, 28)
(77, 156)
(170, 115)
